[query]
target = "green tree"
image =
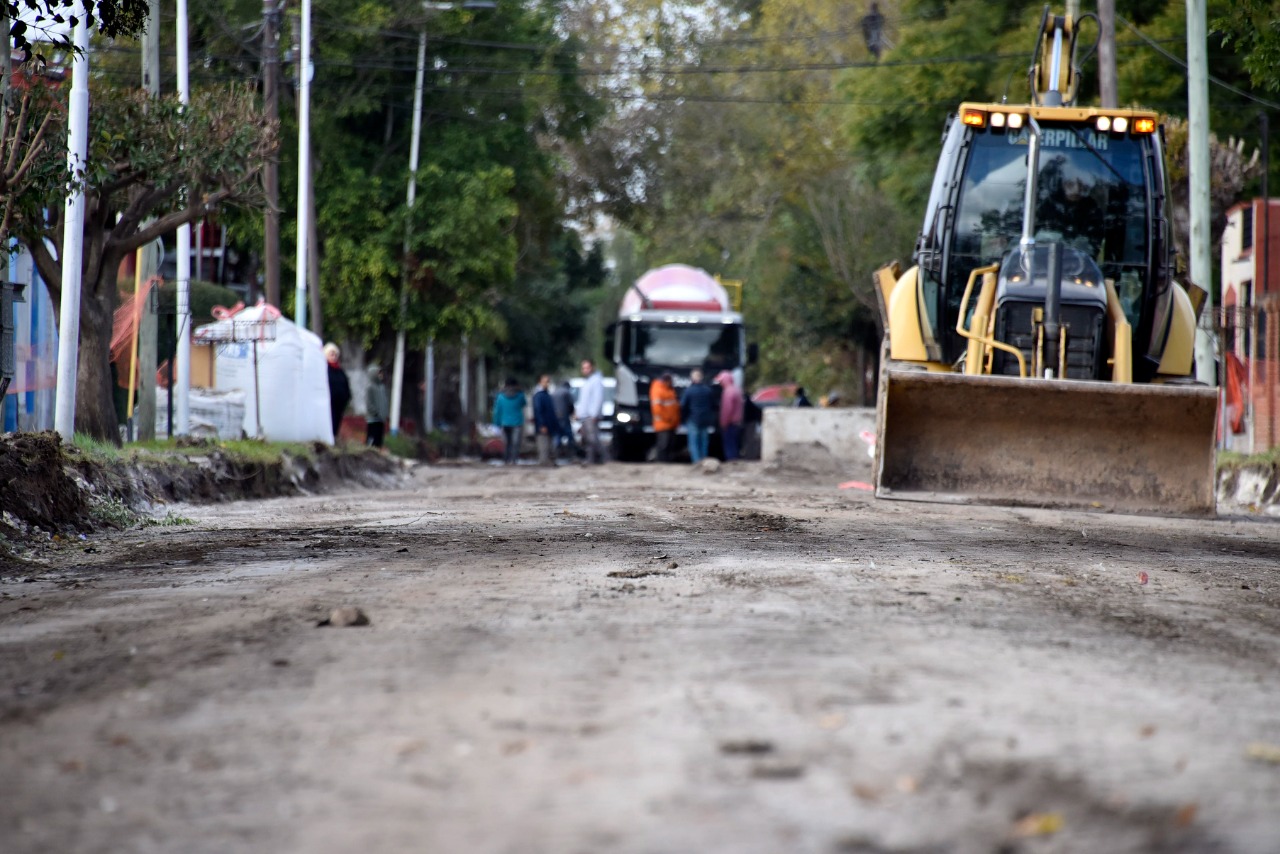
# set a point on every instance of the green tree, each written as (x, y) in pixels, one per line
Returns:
(504, 109)
(1252, 28)
(153, 164)
(750, 173)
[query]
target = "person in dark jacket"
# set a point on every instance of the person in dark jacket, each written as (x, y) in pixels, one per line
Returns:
(339, 387)
(546, 424)
(563, 399)
(802, 399)
(698, 412)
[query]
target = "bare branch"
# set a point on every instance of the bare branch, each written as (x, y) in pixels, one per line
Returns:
(168, 223)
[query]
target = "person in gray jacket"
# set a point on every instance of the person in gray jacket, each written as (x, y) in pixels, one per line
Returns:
(377, 406)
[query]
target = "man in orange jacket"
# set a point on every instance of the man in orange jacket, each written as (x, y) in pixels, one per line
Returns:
(665, 407)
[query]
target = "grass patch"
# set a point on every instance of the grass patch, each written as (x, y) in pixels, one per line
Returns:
(401, 446)
(99, 450)
(169, 519)
(245, 450)
(1230, 460)
(268, 452)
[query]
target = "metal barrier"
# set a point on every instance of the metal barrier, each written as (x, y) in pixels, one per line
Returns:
(12, 292)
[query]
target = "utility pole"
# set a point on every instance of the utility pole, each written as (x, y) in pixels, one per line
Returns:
(304, 166)
(64, 407)
(180, 389)
(313, 252)
(271, 174)
(1107, 54)
(415, 141)
(1266, 303)
(397, 368)
(144, 414)
(1198, 155)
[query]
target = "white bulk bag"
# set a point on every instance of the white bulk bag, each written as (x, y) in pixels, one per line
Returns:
(280, 368)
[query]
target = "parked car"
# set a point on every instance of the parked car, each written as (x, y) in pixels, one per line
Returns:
(783, 394)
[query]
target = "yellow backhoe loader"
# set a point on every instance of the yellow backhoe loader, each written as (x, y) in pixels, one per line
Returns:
(1039, 352)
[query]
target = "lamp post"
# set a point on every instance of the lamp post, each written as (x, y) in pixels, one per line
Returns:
(304, 167)
(397, 370)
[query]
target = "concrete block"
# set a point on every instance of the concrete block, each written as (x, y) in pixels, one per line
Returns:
(838, 431)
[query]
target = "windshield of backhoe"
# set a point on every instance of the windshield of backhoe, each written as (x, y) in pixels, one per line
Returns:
(1091, 194)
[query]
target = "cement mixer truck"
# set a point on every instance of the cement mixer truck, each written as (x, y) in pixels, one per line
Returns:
(671, 320)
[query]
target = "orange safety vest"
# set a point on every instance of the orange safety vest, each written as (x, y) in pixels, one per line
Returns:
(664, 405)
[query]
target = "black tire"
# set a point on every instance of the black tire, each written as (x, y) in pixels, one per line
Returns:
(629, 449)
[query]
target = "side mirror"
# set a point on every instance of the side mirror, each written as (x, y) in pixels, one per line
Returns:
(610, 333)
(753, 353)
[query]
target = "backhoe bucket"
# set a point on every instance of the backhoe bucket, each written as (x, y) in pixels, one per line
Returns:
(1046, 443)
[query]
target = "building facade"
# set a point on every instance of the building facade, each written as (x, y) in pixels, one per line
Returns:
(1249, 318)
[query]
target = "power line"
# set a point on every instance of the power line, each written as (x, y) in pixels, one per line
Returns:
(1176, 60)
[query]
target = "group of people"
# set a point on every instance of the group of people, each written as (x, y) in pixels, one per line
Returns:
(553, 409)
(553, 412)
(376, 400)
(696, 409)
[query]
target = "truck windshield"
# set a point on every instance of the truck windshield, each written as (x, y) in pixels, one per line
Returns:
(685, 345)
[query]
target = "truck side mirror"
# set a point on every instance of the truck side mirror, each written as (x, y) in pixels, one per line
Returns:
(609, 335)
(753, 353)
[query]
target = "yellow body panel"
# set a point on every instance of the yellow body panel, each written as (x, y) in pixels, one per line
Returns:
(1179, 348)
(1122, 338)
(906, 329)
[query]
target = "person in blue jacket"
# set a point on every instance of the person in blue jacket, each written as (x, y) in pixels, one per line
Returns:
(698, 412)
(546, 425)
(508, 414)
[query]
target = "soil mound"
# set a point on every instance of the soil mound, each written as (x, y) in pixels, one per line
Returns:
(39, 489)
(51, 489)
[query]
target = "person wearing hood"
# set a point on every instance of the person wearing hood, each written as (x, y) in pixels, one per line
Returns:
(665, 408)
(731, 412)
(508, 414)
(377, 406)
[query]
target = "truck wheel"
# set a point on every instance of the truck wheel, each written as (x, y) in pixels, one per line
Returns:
(627, 449)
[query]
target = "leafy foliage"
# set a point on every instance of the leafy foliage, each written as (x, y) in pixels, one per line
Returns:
(503, 109)
(147, 158)
(112, 18)
(771, 145)
(1252, 28)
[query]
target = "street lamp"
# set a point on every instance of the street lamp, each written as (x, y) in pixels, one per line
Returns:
(397, 370)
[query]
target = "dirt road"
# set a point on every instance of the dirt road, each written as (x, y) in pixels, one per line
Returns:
(644, 659)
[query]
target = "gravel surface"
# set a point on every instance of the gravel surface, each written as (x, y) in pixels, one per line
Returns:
(632, 658)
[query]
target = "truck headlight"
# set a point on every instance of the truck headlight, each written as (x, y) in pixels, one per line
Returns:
(623, 417)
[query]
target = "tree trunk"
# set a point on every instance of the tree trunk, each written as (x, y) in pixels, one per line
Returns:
(95, 404)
